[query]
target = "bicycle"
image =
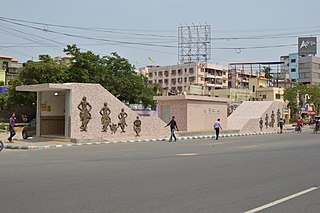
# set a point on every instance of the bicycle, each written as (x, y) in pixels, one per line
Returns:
(1, 146)
(298, 129)
(315, 128)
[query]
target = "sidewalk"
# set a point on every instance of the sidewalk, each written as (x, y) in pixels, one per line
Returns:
(51, 143)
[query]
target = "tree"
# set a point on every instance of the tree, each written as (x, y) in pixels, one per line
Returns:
(44, 71)
(295, 96)
(313, 92)
(113, 72)
(267, 72)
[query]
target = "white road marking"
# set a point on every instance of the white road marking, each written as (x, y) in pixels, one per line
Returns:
(187, 154)
(281, 200)
(249, 147)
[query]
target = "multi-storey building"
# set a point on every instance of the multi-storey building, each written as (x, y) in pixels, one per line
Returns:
(290, 66)
(305, 69)
(9, 68)
(181, 77)
(239, 78)
(309, 70)
(63, 59)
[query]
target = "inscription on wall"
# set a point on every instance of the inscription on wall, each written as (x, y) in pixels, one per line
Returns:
(211, 111)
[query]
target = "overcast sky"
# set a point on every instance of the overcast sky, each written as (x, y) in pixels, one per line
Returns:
(146, 32)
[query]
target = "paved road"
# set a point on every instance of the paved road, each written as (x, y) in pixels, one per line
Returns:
(243, 174)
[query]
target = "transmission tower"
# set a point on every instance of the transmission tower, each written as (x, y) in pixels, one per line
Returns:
(194, 43)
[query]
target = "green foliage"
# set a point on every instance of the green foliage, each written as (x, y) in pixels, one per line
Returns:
(267, 71)
(14, 99)
(3, 126)
(295, 96)
(313, 92)
(44, 71)
(113, 72)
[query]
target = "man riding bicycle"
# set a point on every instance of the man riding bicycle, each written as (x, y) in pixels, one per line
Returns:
(299, 125)
(316, 125)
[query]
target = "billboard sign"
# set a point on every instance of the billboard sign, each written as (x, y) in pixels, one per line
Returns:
(307, 45)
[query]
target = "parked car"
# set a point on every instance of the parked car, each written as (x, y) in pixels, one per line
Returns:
(30, 129)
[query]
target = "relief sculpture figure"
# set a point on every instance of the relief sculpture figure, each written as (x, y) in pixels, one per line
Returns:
(113, 128)
(122, 120)
(272, 119)
(85, 115)
(266, 120)
(261, 124)
(105, 117)
(137, 126)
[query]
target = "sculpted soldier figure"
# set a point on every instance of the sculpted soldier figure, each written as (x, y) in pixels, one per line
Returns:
(85, 115)
(272, 119)
(137, 126)
(105, 117)
(261, 124)
(266, 120)
(122, 120)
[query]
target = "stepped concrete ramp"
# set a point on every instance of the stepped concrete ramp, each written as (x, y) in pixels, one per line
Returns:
(247, 116)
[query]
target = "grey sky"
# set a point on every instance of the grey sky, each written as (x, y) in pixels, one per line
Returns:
(286, 19)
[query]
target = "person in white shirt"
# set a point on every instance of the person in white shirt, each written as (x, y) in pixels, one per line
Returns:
(217, 127)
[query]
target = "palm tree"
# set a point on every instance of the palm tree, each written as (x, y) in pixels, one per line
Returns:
(267, 72)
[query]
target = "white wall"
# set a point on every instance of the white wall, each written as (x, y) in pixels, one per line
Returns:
(55, 104)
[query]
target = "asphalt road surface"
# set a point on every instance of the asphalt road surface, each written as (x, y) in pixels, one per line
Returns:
(267, 173)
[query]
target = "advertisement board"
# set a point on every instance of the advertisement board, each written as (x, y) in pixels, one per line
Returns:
(307, 45)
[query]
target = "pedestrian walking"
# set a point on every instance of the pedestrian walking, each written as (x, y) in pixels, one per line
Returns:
(12, 124)
(217, 127)
(173, 126)
(281, 124)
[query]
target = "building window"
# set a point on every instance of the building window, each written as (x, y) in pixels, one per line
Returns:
(264, 96)
(278, 96)
(293, 70)
(293, 60)
(253, 88)
(305, 75)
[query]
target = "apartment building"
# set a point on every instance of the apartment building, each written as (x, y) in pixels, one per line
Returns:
(181, 77)
(9, 68)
